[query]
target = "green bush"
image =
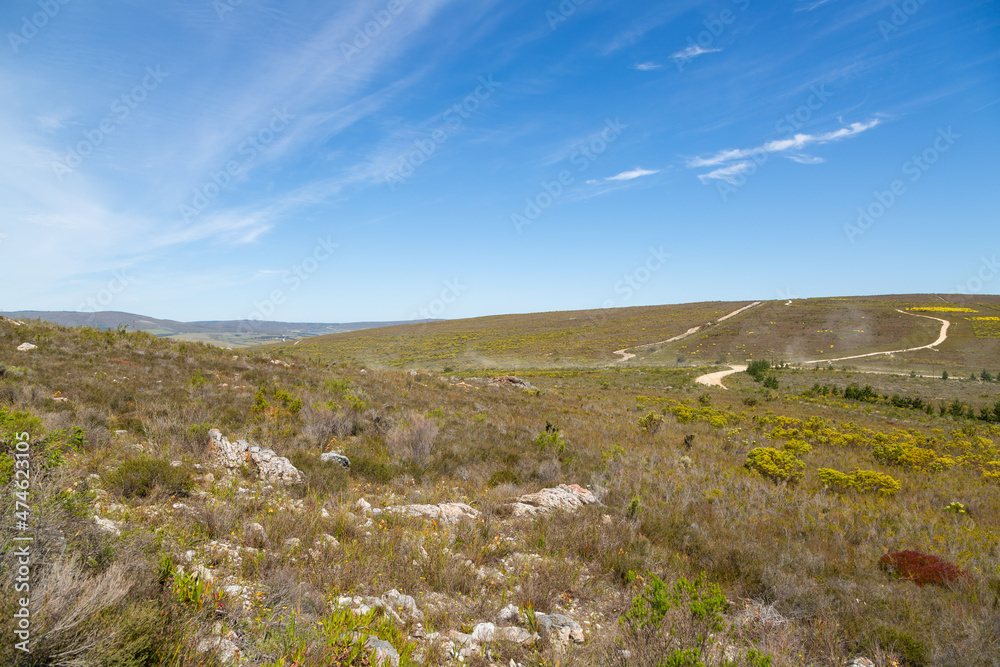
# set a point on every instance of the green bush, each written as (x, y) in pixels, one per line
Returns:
(651, 423)
(505, 476)
(13, 422)
(137, 478)
(774, 464)
(758, 368)
(683, 621)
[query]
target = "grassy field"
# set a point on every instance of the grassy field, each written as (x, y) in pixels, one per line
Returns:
(793, 549)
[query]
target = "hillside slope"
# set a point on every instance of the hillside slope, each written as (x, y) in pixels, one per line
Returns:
(805, 329)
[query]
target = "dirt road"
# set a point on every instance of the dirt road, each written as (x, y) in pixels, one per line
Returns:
(942, 337)
(715, 379)
(626, 355)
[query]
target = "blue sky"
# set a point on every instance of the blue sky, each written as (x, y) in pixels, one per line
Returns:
(307, 161)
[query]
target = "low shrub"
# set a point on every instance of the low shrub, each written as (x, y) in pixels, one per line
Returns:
(921, 569)
(774, 464)
(414, 439)
(505, 476)
(137, 478)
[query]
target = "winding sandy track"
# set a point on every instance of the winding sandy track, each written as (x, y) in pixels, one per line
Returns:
(715, 379)
(626, 355)
(942, 337)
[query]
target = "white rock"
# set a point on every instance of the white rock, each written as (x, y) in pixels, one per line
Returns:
(447, 513)
(484, 632)
(26, 347)
(107, 526)
(363, 506)
(566, 497)
(224, 648)
(509, 615)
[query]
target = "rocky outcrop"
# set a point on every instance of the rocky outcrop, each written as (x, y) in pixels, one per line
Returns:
(447, 513)
(269, 466)
(26, 347)
(565, 497)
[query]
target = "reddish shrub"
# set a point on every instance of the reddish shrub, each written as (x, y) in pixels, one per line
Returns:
(920, 568)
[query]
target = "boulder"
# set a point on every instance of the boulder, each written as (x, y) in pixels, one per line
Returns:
(335, 457)
(269, 466)
(559, 630)
(446, 513)
(26, 347)
(565, 497)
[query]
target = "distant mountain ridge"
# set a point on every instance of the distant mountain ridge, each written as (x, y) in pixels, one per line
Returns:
(234, 333)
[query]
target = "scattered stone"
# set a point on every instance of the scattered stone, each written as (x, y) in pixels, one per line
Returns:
(446, 513)
(26, 347)
(363, 506)
(325, 540)
(509, 615)
(385, 654)
(224, 648)
(257, 532)
(511, 381)
(559, 630)
(107, 526)
(269, 466)
(292, 543)
(404, 606)
(335, 457)
(566, 497)
(859, 662)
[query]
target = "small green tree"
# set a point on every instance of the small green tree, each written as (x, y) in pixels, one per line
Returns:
(758, 368)
(944, 375)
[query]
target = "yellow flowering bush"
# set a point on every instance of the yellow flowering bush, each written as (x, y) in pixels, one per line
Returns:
(774, 464)
(862, 481)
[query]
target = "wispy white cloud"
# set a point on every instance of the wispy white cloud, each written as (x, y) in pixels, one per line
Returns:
(692, 51)
(646, 66)
(728, 174)
(794, 143)
(638, 172)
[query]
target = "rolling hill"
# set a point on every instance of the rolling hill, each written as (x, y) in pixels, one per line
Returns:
(698, 333)
(226, 333)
